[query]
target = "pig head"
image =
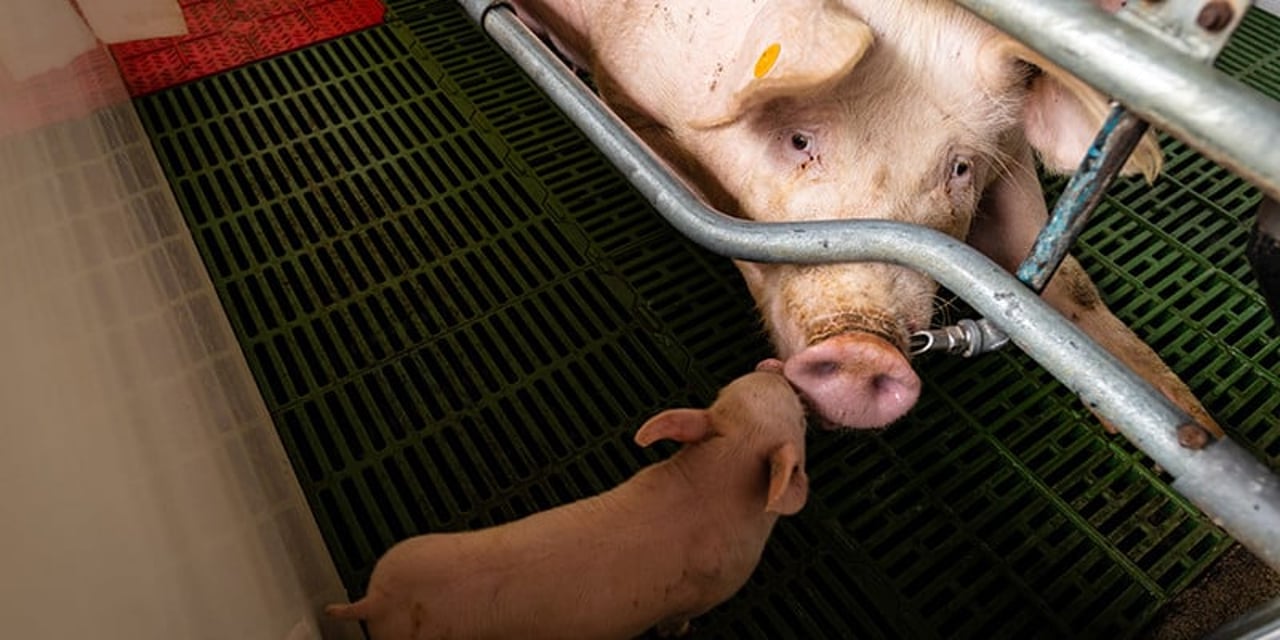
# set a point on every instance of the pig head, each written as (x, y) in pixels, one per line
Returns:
(667, 545)
(907, 110)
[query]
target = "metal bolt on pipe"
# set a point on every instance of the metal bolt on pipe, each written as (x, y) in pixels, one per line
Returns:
(1222, 479)
(966, 338)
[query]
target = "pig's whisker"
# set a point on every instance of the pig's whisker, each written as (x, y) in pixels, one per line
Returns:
(1002, 162)
(943, 307)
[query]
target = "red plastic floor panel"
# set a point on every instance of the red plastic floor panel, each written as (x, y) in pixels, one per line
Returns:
(224, 34)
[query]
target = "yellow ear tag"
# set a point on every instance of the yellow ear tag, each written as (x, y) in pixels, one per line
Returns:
(767, 59)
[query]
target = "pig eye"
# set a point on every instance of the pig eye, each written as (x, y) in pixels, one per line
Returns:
(960, 168)
(801, 141)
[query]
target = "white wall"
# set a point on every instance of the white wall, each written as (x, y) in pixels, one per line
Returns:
(143, 491)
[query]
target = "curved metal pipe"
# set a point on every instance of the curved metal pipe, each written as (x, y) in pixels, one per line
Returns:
(1245, 501)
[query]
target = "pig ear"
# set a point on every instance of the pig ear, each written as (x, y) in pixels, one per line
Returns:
(681, 425)
(1062, 116)
(793, 48)
(788, 483)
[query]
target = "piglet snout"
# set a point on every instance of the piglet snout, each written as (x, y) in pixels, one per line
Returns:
(855, 380)
(773, 365)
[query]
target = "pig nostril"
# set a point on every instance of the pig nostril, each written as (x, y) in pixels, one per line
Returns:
(891, 386)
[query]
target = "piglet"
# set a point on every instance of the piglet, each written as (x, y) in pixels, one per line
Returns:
(665, 546)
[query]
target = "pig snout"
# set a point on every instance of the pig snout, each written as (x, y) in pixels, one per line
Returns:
(855, 380)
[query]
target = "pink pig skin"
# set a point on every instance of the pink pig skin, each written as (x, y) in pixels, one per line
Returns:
(676, 539)
(908, 110)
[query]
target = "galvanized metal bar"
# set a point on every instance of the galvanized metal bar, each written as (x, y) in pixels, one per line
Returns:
(1221, 117)
(1117, 139)
(1246, 501)
(1260, 623)
(1199, 28)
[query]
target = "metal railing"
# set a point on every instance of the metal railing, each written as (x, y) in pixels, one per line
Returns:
(1156, 64)
(1222, 479)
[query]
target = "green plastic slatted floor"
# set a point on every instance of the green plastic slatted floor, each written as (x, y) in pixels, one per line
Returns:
(458, 314)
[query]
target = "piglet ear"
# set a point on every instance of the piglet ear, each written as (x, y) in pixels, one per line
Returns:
(682, 425)
(788, 483)
(793, 48)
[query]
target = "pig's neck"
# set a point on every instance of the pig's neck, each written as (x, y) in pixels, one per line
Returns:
(725, 478)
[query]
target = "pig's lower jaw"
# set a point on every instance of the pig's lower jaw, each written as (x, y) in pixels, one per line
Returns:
(861, 421)
(881, 413)
(855, 380)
